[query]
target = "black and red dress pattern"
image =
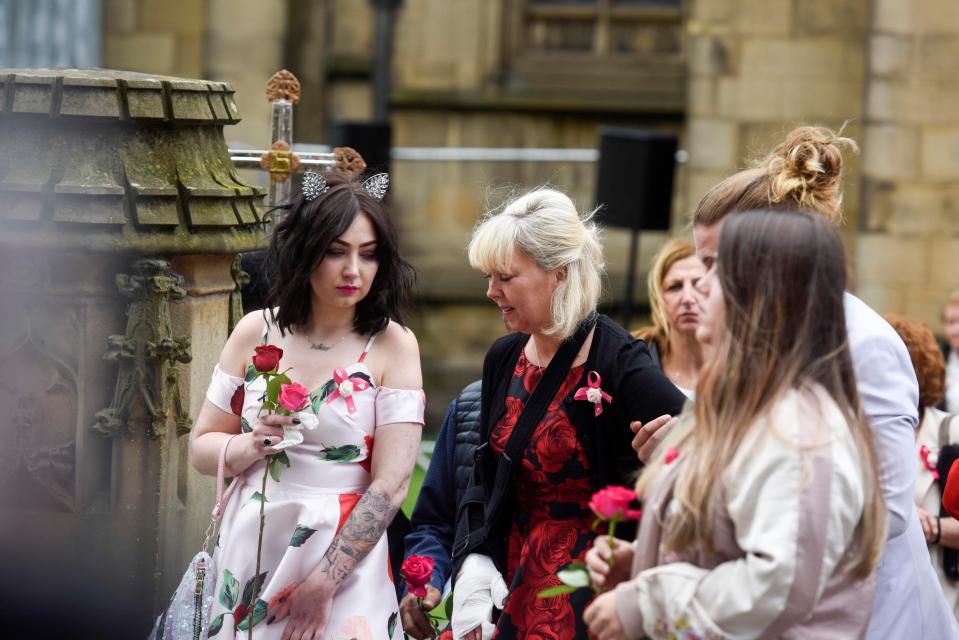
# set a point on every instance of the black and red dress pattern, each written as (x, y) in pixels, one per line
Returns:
(551, 524)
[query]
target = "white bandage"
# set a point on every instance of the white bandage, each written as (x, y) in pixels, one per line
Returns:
(479, 588)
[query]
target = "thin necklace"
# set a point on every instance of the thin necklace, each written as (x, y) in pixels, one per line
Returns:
(322, 346)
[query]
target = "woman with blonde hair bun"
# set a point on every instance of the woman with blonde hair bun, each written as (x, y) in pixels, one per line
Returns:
(675, 314)
(558, 395)
(804, 172)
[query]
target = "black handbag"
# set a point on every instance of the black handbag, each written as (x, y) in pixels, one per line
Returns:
(481, 512)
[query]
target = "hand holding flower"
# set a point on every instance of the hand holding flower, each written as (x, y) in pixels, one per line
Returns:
(612, 505)
(609, 565)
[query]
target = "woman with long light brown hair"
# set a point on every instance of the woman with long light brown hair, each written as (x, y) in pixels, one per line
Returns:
(674, 308)
(763, 515)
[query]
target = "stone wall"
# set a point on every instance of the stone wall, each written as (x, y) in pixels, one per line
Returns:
(909, 240)
(758, 68)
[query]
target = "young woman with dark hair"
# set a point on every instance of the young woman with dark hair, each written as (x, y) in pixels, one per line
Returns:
(763, 515)
(337, 290)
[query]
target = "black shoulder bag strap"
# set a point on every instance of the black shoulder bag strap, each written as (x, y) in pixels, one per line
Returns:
(532, 414)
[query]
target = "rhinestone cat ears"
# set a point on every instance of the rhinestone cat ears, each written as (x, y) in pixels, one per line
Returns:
(314, 185)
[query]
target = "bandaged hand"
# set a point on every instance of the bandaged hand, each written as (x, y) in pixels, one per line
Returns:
(479, 588)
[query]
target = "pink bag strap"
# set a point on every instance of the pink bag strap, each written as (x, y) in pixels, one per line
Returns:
(223, 497)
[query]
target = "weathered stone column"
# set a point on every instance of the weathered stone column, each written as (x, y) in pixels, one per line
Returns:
(120, 216)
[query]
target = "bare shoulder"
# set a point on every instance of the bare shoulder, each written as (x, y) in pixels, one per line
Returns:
(246, 335)
(397, 338)
(400, 356)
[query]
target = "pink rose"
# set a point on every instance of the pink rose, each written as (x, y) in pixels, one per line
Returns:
(267, 358)
(417, 570)
(294, 396)
(671, 454)
(612, 503)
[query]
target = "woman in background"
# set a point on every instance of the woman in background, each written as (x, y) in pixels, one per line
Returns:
(675, 312)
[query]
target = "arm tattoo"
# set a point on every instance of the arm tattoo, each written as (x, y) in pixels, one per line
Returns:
(359, 535)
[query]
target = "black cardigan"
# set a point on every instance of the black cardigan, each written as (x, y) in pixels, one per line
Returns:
(638, 388)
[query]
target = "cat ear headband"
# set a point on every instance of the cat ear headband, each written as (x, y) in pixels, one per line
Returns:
(314, 185)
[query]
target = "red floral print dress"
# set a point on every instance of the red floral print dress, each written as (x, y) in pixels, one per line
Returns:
(551, 525)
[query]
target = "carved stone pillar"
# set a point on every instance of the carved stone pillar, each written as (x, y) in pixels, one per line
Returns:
(121, 215)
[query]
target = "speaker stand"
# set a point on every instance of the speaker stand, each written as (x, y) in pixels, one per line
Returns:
(630, 278)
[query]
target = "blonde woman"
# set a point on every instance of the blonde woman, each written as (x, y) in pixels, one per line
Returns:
(675, 311)
(544, 263)
(763, 516)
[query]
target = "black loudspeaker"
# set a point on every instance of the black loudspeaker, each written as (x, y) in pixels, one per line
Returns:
(371, 139)
(634, 181)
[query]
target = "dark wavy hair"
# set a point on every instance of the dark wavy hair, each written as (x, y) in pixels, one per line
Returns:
(301, 239)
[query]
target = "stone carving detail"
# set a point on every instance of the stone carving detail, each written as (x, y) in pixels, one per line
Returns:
(241, 278)
(147, 380)
(39, 395)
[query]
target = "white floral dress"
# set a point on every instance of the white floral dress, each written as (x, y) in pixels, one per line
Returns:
(310, 491)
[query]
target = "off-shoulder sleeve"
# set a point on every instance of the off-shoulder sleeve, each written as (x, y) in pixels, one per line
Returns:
(400, 405)
(225, 391)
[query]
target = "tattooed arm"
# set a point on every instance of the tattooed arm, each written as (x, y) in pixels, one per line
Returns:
(308, 606)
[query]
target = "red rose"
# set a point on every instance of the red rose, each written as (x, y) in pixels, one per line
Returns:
(612, 503)
(267, 358)
(417, 570)
(446, 635)
(293, 396)
(236, 402)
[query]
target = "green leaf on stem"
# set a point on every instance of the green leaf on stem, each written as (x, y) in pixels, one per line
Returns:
(276, 462)
(257, 497)
(574, 575)
(558, 590)
(273, 387)
(448, 606)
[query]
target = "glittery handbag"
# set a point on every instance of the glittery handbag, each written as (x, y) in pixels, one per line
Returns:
(188, 615)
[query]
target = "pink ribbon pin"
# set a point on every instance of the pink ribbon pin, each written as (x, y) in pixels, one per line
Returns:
(593, 392)
(930, 460)
(345, 387)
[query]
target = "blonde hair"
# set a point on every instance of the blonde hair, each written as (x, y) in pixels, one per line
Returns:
(545, 225)
(672, 252)
(803, 172)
